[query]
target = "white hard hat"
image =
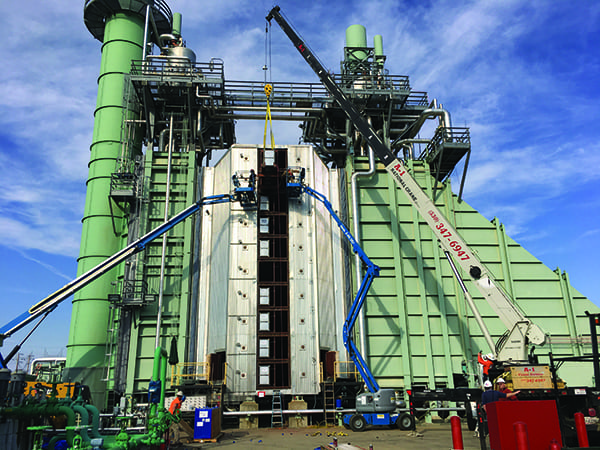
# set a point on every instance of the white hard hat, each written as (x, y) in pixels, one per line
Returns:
(179, 394)
(500, 380)
(487, 384)
(490, 356)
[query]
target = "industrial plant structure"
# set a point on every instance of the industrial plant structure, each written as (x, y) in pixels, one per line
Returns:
(252, 298)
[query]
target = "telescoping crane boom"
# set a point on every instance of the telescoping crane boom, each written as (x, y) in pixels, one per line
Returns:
(243, 194)
(513, 346)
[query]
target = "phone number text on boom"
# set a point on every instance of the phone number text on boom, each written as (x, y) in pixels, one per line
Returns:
(445, 234)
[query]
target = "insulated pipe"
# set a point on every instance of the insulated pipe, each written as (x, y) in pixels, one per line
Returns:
(146, 30)
(406, 144)
(85, 420)
(426, 114)
(356, 232)
(164, 238)
(95, 422)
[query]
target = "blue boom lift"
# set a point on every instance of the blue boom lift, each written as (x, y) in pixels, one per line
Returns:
(377, 406)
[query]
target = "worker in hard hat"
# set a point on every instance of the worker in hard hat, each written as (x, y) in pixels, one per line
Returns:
(176, 403)
(501, 387)
(490, 395)
(486, 361)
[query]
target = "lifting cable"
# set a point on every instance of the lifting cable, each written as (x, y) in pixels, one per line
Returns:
(268, 87)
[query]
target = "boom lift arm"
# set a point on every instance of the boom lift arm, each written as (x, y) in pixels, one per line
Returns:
(44, 307)
(377, 406)
(512, 346)
(295, 184)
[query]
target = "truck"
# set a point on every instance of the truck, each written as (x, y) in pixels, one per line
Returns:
(521, 331)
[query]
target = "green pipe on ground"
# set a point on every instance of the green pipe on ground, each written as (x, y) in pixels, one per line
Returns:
(45, 410)
(159, 372)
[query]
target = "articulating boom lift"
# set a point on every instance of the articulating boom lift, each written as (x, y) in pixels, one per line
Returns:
(513, 346)
(377, 406)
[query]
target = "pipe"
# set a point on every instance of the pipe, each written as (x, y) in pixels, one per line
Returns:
(356, 232)
(406, 144)
(95, 422)
(85, 420)
(426, 114)
(146, 26)
(177, 24)
(159, 372)
(164, 239)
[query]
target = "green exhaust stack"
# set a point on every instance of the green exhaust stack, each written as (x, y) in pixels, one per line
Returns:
(120, 26)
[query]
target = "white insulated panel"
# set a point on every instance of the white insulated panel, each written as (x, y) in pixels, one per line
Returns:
(264, 294)
(204, 275)
(264, 348)
(241, 374)
(242, 336)
(264, 375)
(304, 338)
(264, 225)
(242, 297)
(243, 227)
(218, 258)
(243, 262)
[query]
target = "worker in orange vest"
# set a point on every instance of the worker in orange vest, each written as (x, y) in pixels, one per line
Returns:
(486, 361)
(176, 404)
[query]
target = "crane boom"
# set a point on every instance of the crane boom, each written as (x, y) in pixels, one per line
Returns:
(520, 328)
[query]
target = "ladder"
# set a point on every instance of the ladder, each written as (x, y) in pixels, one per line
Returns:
(329, 403)
(277, 411)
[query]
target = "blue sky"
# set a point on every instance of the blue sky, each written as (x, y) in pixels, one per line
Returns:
(523, 75)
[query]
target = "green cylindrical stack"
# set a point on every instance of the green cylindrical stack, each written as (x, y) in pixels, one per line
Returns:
(122, 33)
(356, 36)
(177, 24)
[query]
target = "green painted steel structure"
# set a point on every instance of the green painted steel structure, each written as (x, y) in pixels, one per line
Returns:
(121, 27)
(178, 265)
(419, 328)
